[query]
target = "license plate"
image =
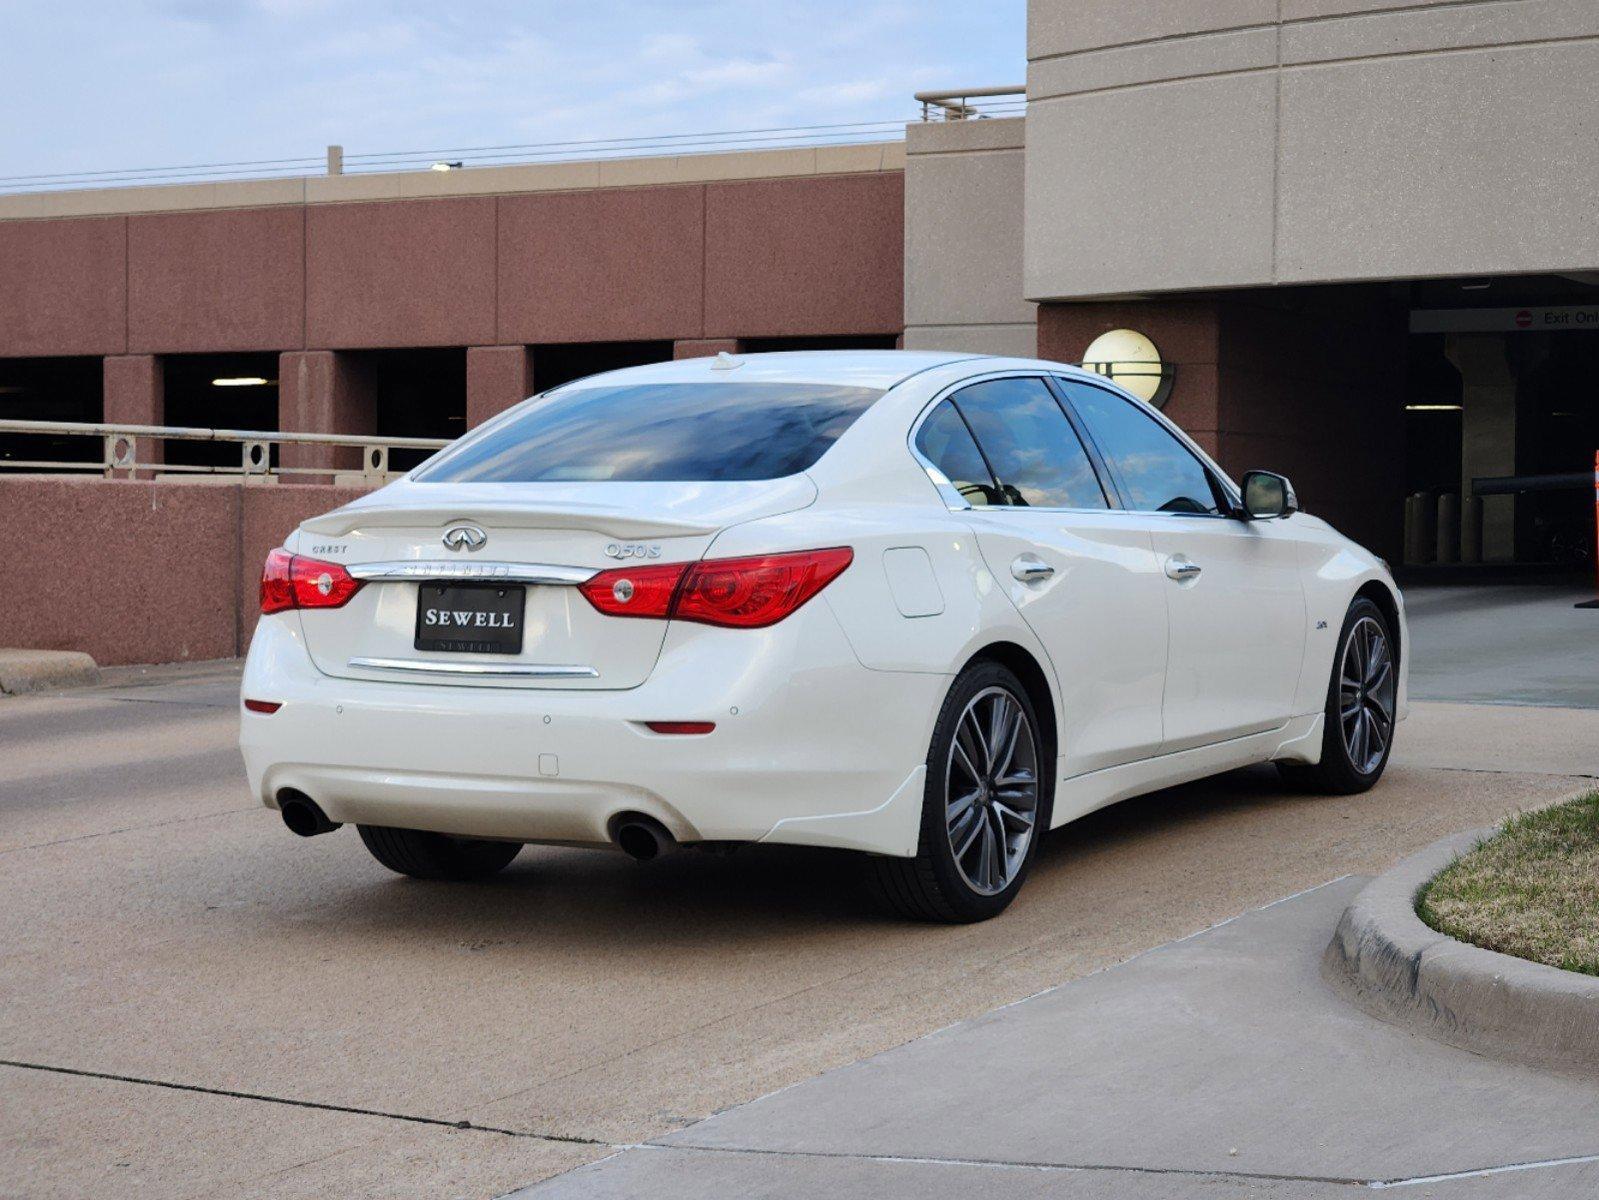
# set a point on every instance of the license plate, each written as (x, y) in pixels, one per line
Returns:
(470, 618)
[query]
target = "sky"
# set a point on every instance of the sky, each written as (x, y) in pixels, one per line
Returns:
(118, 84)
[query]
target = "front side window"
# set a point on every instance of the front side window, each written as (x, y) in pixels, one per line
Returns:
(944, 441)
(1157, 472)
(658, 433)
(1030, 444)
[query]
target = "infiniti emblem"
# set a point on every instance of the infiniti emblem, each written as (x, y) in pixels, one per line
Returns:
(464, 537)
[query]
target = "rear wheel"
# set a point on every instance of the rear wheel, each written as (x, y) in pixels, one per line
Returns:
(1358, 732)
(983, 809)
(424, 855)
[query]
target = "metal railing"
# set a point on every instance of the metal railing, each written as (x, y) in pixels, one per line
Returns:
(120, 455)
(958, 104)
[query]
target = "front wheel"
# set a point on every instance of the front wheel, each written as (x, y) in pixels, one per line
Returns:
(984, 807)
(424, 855)
(1358, 731)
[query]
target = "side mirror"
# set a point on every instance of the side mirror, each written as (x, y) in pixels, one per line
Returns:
(1268, 495)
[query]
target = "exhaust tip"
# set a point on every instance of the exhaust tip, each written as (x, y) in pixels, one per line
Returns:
(304, 816)
(642, 838)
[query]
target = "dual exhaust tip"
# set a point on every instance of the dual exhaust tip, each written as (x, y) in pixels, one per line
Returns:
(641, 838)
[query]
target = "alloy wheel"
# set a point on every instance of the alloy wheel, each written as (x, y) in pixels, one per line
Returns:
(991, 790)
(1366, 688)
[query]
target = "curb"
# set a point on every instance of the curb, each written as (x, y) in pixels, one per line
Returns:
(1394, 966)
(45, 670)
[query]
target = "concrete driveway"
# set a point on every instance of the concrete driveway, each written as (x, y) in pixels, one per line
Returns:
(194, 1002)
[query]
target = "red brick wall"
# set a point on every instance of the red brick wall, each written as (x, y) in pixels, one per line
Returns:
(139, 572)
(798, 257)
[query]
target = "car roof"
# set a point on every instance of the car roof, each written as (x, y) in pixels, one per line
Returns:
(880, 369)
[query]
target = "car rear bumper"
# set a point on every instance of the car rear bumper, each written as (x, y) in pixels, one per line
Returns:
(809, 746)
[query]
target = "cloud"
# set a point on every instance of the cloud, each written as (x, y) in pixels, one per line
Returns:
(181, 81)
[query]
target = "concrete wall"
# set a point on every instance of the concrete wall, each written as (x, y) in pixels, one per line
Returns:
(805, 243)
(142, 571)
(1183, 144)
(963, 238)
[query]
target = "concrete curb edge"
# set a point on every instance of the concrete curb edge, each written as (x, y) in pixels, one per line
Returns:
(1391, 964)
(45, 670)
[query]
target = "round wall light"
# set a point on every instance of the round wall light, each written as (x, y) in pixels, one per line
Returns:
(1130, 359)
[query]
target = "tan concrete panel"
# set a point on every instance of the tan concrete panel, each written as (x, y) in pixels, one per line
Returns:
(602, 266)
(63, 287)
(1385, 165)
(1062, 26)
(1010, 341)
(963, 238)
(1299, 10)
(1456, 27)
(207, 281)
(406, 273)
(1149, 62)
(802, 257)
(956, 137)
(1153, 188)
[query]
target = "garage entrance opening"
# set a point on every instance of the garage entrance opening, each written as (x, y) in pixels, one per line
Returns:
(554, 365)
(1502, 421)
(416, 393)
(217, 391)
(50, 389)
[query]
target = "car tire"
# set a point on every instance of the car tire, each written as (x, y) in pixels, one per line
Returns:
(1361, 693)
(998, 810)
(424, 855)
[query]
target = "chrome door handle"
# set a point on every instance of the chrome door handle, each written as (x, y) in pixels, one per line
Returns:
(1182, 569)
(1028, 569)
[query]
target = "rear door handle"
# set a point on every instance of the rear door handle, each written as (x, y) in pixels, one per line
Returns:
(1029, 569)
(1182, 569)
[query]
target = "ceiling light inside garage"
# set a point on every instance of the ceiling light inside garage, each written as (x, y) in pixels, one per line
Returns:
(1432, 408)
(242, 381)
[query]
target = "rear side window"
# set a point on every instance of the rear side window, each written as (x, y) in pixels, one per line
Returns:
(658, 433)
(1030, 444)
(1157, 472)
(945, 442)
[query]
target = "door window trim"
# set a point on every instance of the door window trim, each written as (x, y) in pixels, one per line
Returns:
(955, 502)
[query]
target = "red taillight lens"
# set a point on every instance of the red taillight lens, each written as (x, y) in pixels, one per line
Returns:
(265, 707)
(292, 581)
(635, 591)
(750, 593)
(680, 726)
(745, 593)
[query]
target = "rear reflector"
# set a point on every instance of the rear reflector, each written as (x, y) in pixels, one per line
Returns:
(743, 593)
(263, 706)
(680, 726)
(294, 581)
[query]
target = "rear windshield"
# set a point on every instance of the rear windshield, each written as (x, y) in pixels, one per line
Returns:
(659, 432)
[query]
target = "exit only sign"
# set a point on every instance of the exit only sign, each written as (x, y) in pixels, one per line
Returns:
(1559, 318)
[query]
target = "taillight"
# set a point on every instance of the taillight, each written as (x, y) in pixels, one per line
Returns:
(690, 727)
(293, 581)
(743, 593)
(635, 591)
(750, 593)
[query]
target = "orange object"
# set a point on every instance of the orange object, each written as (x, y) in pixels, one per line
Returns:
(1595, 602)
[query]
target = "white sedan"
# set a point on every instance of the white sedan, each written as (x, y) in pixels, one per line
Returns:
(922, 606)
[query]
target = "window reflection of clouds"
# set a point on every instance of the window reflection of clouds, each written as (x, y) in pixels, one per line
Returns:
(663, 432)
(1159, 472)
(1030, 443)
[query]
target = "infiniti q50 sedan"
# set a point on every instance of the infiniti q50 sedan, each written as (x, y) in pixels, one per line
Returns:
(920, 606)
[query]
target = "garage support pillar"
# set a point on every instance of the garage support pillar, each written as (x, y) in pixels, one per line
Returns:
(135, 394)
(324, 391)
(496, 378)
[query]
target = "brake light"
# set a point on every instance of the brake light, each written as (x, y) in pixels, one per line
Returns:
(265, 707)
(635, 591)
(751, 593)
(294, 581)
(742, 593)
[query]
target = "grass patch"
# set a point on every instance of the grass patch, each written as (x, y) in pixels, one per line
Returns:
(1532, 890)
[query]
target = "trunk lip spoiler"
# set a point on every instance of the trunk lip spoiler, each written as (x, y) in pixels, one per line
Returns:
(471, 572)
